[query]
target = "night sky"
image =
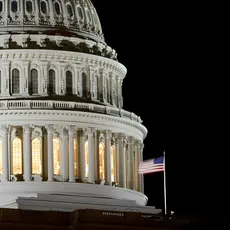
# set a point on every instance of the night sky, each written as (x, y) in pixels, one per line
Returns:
(158, 45)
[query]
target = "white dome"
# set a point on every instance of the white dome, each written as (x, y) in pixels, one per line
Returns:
(72, 17)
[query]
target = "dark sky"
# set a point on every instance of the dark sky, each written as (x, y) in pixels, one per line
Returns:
(164, 86)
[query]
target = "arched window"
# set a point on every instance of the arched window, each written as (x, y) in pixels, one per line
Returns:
(34, 81)
(1, 166)
(70, 10)
(43, 7)
(88, 15)
(1, 6)
(56, 156)
(14, 6)
(57, 8)
(102, 161)
(98, 88)
(80, 13)
(69, 82)
(29, 6)
(75, 158)
(86, 159)
(84, 84)
(113, 167)
(36, 156)
(51, 82)
(15, 81)
(16, 156)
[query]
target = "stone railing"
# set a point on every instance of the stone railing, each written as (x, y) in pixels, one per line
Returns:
(65, 105)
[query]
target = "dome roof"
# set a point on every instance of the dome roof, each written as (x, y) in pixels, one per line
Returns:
(70, 17)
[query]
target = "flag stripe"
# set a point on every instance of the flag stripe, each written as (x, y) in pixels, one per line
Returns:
(151, 166)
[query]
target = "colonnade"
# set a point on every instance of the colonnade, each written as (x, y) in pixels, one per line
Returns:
(67, 153)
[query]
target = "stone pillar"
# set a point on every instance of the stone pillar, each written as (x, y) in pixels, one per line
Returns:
(141, 176)
(131, 162)
(138, 180)
(122, 161)
(65, 155)
(81, 146)
(72, 131)
(91, 178)
(5, 173)
(108, 179)
(117, 165)
(27, 153)
(50, 130)
(96, 157)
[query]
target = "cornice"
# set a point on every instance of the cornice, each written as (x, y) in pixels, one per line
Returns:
(67, 56)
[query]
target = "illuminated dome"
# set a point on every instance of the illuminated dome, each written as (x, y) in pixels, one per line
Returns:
(73, 17)
(64, 135)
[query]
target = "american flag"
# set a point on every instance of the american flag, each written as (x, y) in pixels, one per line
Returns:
(151, 166)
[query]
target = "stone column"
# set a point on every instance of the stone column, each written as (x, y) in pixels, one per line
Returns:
(122, 161)
(5, 173)
(65, 155)
(137, 163)
(27, 153)
(141, 176)
(96, 157)
(50, 130)
(91, 178)
(131, 162)
(81, 151)
(72, 131)
(108, 179)
(117, 165)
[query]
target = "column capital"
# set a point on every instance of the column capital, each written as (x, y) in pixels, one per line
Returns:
(50, 128)
(65, 131)
(71, 129)
(4, 128)
(108, 133)
(130, 140)
(27, 128)
(90, 130)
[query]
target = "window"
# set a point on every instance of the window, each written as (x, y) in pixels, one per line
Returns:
(1, 6)
(112, 151)
(1, 166)
(75, 158)
(86, 159)
(88, 15)
(70, 10)
(84, 85)
(14, 6)
(43, 7)
(34, 81)
(69, 82)
(29, 6)
(36, 156)
(98, 87)
(102, 161)
(51, 82)
(56, 156)
(57, 8)
(108, 88)
(80, 13)
(16, 156)
(15, 82)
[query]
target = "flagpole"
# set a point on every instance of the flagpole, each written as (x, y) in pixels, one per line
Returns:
(165, 201)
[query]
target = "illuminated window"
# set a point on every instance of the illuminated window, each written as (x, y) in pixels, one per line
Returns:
(112, 151)
(86, 159)
(1, 169)
(102, 161)
(56, 156)
(75, 158)
(16, 156)
(36, 157)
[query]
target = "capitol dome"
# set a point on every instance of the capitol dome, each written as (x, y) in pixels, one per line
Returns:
(64, 135)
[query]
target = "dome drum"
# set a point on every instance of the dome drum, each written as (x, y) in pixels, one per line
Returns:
(69, 16)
